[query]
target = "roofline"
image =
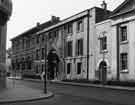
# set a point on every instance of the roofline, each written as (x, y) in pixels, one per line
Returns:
(22, 33)
(60, 23)
(119, 6)
(63, 22)
(102, 22)
(115, 15)
(53, 25)
(57, 24)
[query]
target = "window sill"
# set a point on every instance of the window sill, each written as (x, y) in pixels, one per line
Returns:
(68, 58)
(79, 31)
(124, 71)
(104, 51)
(69, 34)
(124, 42)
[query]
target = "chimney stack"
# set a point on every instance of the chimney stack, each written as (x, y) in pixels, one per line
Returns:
(38, 24)
(104, 5)
(55, 19)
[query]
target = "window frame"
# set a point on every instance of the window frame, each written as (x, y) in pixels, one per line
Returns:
(79, 47)
(69, 28)
(69, 68)
(43, 53)
(123, 36)
(37, 39)
(69, 49)
(124, 62)
(37, 54)
(80, 25)
(103, 43)
(79, 68)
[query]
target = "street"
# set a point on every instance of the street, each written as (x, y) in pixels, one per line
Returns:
(76, 95)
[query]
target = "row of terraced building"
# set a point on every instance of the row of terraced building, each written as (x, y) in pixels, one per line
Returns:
(95, 44)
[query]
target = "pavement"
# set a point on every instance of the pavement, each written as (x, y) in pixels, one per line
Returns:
(95, 85)
(78, 95)
(19, 93)
(126, 88)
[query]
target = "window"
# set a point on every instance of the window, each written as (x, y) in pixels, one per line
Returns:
(68, 68)
(124, 61)
(80, 26)
(42, 67)
(38, 39)
(69, 49)
(69, 28)
(37, 70)
(43, 38)
(29, 65)
(123, 32)
(50, 35)
(37, 54)
(79, 47)
(79, 68)
(28, 43)
(33, 41)
(43, 53)
(55, 34)
(103, 43)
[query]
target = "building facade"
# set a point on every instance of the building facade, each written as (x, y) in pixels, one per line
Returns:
(92, 44)
(5, 13)
(103, 51)
(115, 49)
(28, 50)
(123, 25)
(71, 38)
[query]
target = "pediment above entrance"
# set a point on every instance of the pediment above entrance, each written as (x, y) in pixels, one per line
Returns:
(125, 7)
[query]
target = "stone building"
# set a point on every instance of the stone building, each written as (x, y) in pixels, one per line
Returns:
(123, 33)
(92, 44)
(74, 43)
(5, 13)
(71, 38)
(28, 50)
(115, 51)
(103, 51)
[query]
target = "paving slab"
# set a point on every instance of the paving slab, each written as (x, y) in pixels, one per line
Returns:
(95, 85)
(126, 88)
(20, 93)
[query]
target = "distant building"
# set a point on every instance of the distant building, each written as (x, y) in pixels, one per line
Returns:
(28, 50)
(8, 60)
(5, 13)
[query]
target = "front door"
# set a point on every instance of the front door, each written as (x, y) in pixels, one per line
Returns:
(103, 71)
(53, 61)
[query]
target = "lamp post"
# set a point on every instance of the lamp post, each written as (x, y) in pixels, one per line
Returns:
(45, 70)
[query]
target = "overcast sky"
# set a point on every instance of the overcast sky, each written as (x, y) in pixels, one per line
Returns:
(26, 13)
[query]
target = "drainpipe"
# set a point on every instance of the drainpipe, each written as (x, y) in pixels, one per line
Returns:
(88, 30)
(118, 53)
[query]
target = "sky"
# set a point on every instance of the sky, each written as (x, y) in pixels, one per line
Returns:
(26, 13)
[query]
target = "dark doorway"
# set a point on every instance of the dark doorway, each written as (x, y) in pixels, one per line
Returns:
(103, 71)
(53, 61)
